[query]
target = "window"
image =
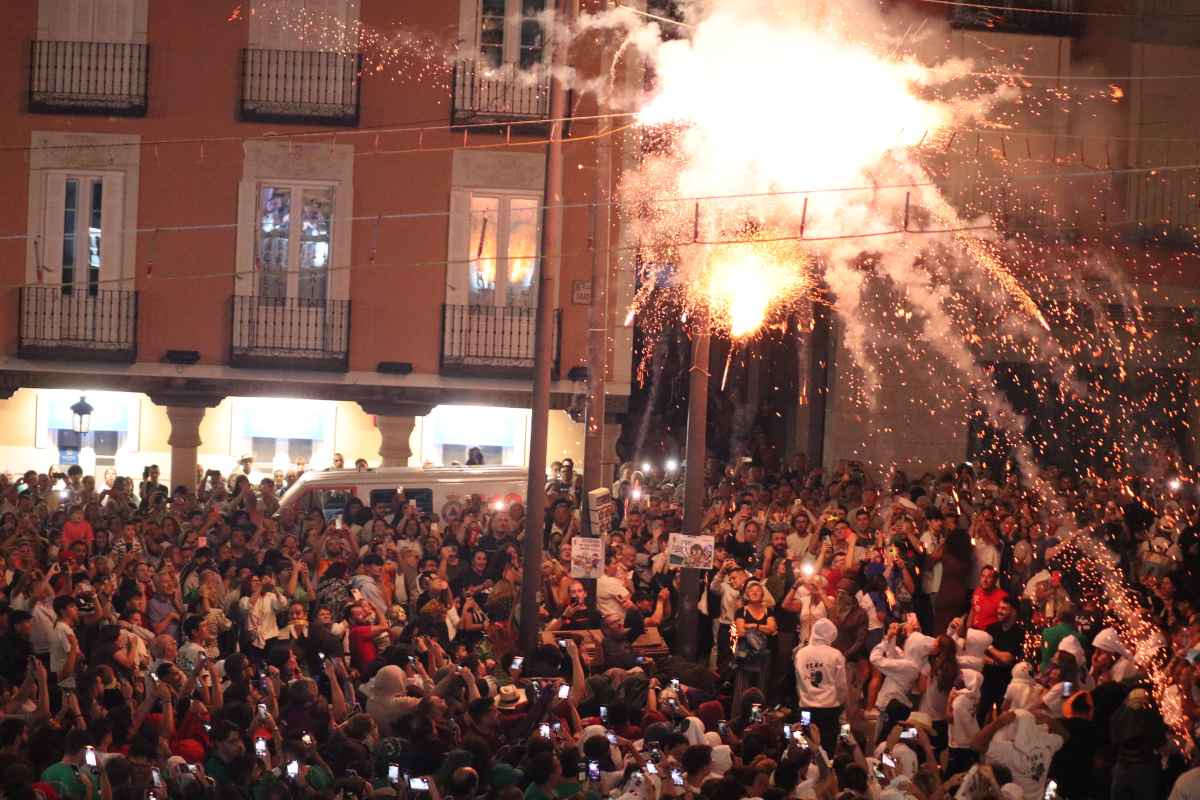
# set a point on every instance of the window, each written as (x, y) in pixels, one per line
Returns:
(278, 431)
(503, 250)
(329, 501)
(422, 497)
(509, 32)
(290, 265)
(449, 432)
(304, 24)
(82, 246)
(89, 20)
(113, 426)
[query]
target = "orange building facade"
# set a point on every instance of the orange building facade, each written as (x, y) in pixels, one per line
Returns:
(290, 229)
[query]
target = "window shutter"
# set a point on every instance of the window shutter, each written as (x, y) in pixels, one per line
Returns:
(512, 32)
(72, 20)
(468, 29)
(52, 229)
(113, 233)
(113, 20)
(265, 31)
(457, 282)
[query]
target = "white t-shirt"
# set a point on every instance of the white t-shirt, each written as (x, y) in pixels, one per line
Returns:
(611, 595)
(42, 632)
(931, 577)
(1030, 765)
(868, 605)
(60, 650)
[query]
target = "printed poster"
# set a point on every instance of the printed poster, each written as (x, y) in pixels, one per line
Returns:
(587, 557)
(695, 552)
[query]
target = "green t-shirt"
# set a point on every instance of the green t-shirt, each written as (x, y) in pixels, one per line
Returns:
(216, 769)
(570, 788)
(65, 778)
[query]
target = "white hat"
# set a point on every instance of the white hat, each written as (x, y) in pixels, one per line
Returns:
(510, 697)
(388, 682)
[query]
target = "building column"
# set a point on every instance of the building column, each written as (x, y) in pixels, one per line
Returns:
(394, 433)
(185, 442)
(395, 421)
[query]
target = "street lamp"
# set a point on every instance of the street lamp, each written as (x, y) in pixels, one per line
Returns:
(81, 415)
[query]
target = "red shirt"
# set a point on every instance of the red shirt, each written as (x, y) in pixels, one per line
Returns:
(362, 646)
(986, 605)
(78, 532)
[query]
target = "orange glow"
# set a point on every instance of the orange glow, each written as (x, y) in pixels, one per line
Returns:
(742, 286)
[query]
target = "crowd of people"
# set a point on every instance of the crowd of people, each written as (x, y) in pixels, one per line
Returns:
(939, 636)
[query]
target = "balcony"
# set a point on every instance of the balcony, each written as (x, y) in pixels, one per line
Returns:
(492, 341)
(1164, 208)
(289, 333)
(108, 78)
(484, 94)
(74, 324)
(1040, 18)
(305, 86)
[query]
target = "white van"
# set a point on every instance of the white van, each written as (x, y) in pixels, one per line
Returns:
(431, 487)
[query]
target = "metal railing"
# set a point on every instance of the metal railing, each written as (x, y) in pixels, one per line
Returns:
(75, 323)
(491, 338)
(1166, 205)
(1036, 20)
(290, 333)
(483, 93)
(89, 78)
(301, 86)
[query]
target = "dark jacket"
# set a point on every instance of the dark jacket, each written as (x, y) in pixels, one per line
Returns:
(852, 634)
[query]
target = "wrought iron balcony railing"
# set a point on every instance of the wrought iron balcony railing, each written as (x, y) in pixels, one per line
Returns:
(108, 78)
(483, 93)
(1043, 17)
(492, 340)
(301, 86)
(290, 333)
(75, 324)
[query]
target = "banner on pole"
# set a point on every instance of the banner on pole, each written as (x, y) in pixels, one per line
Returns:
(695, 552)
(601, 508)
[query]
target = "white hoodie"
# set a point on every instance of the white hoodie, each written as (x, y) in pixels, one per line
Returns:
(1022, 692)
(1108, 641)
(899, 671)
(821, 669)
(963, 725)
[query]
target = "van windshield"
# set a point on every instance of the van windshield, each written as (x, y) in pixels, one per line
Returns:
(330, 502)
(423, 498)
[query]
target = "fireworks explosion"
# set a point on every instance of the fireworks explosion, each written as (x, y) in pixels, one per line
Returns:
(796, 153)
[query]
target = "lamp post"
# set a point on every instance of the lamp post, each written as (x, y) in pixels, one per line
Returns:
(547, 294)
(693, 497)
(81, 415)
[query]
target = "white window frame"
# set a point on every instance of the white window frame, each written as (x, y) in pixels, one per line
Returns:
(111, 228)
(470, 26)
(292, 269)
(291, 164)
(121, 21)
(54, 156)
(503, 229)
(266, 34)
(491, 174)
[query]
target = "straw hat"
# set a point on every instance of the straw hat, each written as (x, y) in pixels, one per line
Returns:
(510, 697)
